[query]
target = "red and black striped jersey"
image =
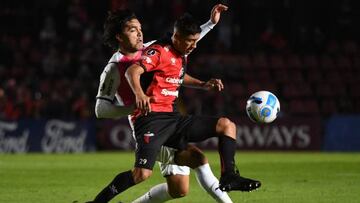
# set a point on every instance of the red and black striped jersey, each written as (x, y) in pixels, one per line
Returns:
(167, 69)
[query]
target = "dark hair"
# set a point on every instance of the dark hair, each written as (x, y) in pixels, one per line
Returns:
(187, 25)
(114, 25)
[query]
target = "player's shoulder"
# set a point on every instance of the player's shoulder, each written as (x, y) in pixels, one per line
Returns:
(155, 46)
(159, 45)
(153, 49)
(111, 67)
(116, 57)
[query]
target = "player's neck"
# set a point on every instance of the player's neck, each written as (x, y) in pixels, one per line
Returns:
(129, 54)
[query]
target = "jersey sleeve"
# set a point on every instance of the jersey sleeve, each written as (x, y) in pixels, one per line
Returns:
(150, 58)
(106, 109)
(205, 28)
(109, 82)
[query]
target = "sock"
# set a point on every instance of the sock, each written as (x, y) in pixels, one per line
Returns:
(158, 193)
(210, 184)
(227, 147)
(120, 183)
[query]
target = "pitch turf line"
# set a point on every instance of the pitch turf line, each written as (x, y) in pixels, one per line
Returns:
(286, 177)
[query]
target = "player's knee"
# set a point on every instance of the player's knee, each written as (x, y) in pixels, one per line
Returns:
(226, 127)
(179, 192)
(192, 157)
(141, 174)
(198, 158)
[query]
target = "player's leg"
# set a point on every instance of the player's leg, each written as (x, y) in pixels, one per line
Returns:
(226, 131)
(158, 193)
(177, 178)
(148, 146)
(144, 162)
(122, 182)
(230, 179)
(177, 186)
(196, 159)
(201, 128)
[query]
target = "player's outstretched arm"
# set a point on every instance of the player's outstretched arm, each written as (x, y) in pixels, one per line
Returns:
(209, 25)
(216, 12)
(212, 84)
(214, 19)
(132, 75)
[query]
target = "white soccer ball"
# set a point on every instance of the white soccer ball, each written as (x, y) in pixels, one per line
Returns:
(262, 107)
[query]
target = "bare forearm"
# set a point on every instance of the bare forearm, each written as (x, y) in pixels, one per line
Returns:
(212, 84)
(192, 82)
(132, 75)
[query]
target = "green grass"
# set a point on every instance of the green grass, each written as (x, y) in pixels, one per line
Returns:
(286, 177)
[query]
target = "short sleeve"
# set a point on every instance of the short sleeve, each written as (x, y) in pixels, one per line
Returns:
(150, 58)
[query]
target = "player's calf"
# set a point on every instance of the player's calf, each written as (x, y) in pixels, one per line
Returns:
(178, 185)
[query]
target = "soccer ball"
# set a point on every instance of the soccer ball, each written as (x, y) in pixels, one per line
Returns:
(262, 107)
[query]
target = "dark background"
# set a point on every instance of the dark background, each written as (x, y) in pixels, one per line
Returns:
(304, 51)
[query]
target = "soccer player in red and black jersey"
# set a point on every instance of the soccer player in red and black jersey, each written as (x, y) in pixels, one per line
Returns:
(123, 33)
(164, 63)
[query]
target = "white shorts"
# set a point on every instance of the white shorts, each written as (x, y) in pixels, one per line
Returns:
(167, 165)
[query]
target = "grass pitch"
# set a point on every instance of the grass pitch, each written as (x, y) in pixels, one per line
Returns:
(285, 177)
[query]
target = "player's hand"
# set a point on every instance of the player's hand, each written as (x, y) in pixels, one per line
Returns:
(214, 84)
(216, 12)
(143, 103)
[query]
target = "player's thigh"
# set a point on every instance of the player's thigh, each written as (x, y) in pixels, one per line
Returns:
(178, 185)
(199, 128)
(151, 133)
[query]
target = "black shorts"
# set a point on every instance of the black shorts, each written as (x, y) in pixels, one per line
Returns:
(169, 129)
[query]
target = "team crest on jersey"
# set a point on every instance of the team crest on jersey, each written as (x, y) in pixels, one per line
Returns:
(147, 137)
(150, 52)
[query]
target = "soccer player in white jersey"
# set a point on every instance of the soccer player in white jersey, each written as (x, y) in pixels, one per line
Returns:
(123, 33)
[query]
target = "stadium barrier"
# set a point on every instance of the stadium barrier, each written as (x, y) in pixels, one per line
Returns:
(115, 135)
(48, 136)
(284, 134)
(61, 136)
(342, 133)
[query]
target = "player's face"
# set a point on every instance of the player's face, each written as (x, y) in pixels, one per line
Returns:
(185, 44)
(131, 39)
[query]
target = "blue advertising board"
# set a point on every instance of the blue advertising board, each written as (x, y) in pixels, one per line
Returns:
(49, 136)
(342, 133)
